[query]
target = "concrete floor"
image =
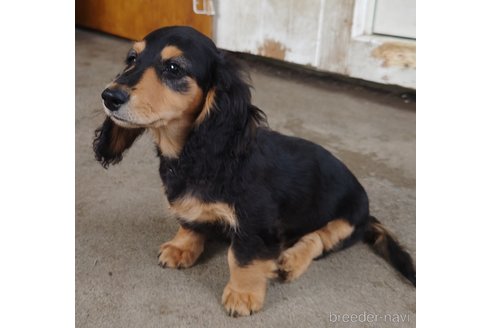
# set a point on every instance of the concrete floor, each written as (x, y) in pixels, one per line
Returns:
(121, 218)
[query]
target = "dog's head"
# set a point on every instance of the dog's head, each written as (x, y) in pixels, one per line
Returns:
(169, 84)
(165, 78)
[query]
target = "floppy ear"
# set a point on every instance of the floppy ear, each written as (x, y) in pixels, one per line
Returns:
(111, 141)
(228, 113)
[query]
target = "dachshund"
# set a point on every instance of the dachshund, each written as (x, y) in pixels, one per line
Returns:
(281, 201)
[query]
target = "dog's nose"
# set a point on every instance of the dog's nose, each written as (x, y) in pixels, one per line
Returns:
(114, 98)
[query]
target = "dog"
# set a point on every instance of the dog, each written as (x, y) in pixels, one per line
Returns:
(281, 201)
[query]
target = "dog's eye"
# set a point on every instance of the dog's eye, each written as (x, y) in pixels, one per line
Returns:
(172, 68)
(131, 58)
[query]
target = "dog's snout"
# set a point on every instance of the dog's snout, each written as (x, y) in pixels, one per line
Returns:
(114, 98)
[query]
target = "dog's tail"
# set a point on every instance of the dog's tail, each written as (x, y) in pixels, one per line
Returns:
(387, 246)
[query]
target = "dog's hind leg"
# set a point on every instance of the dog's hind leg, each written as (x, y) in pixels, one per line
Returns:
(294, 261)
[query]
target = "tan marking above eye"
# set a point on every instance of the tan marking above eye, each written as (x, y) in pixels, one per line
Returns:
(170, 52)
(139, 46)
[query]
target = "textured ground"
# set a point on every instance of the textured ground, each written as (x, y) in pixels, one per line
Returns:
(121, 218)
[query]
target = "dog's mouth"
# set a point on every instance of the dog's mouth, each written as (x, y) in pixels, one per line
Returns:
(127, 123)
(123, 122)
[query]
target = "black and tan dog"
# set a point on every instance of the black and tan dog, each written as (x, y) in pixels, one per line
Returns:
(282, 201)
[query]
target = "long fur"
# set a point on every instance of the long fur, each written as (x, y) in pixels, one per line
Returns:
(280, 187)
(111, 141)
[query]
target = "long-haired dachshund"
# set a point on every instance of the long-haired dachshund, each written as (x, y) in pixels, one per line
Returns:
(282, 201)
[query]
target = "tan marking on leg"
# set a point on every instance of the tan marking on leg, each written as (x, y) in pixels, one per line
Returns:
(207, 107)
(294, 261)
(170, 52)
(183, 250)
(192, 209)
(139, 46)
(334, 232)
(245, 292)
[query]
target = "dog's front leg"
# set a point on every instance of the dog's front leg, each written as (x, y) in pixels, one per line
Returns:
(246, 289)
(183, 250)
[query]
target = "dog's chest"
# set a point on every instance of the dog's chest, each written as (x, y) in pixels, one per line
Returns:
(185, 206)
(191, 209)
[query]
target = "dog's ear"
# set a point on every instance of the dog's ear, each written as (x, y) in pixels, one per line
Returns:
(228, 110)
(111, 141)
(232, 92)
(227, 124)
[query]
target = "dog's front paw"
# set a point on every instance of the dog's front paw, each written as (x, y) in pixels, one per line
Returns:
(172, 256)
(242, 303)
(291, 265)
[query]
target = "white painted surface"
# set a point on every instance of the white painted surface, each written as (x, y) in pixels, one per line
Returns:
(400, 70)
(381, 59)
(328, 35)
(395, 17)
(248, 26)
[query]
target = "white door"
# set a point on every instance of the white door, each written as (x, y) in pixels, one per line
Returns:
(395, 18)
(372, 40)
